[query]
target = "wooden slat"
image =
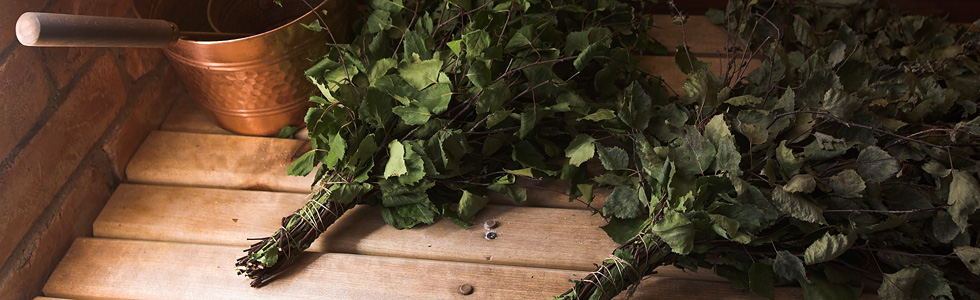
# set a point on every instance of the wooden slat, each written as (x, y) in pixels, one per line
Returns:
(187, 116)
(704, 38)
(122, 269)
(125, 269)
(193, 215)
(213, 160)
(534, 237)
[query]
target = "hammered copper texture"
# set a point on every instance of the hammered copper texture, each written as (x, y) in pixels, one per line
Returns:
(255, 85)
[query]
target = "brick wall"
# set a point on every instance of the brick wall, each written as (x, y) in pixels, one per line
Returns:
(70, 119)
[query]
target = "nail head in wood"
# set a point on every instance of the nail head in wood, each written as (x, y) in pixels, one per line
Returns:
(490, 224)
(465, 289)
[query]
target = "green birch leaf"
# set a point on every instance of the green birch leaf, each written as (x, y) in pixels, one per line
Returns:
(436, 97)
(916, 282)
(744, 100)
(287, 132)
(414, 46)
(378, 21)
(964, 198)
(727, 157)
(623, 203)
(789, 163)
(580, 149)
(723, 226)
(365, 151)
(796, 206)
(479, 73)
(525, 172)
(303, 165)
(875, 165)
(837, 53)
(420, 74)
(694, 155)
(790, 267)
(455, 46)
(823, 289)
(635, 107)
(622, 230)
(376, 107)
(687, 62)
(414, 163)
(496, 117)
(677, 231)
(802, 31)
(505, 185)
(786, 102)
(396, 160)
(381, 68)
(521, 39)
(847, 184)
(338, 147)
(761, 280)
(576, 41)
(347, 193)
(613, 158)
(529, 119)
(492, 98)
(412, 115)
(804, 183)
(476, 41)
(387, 5)
(587, 192)
(715, 16)
(583, 58)
(827, 248)
(970, 256)
(702, 88)
(470, 204)
(600, 115)
(943, 227)
(824, 147)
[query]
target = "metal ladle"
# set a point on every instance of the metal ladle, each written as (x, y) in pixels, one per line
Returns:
(38, 29)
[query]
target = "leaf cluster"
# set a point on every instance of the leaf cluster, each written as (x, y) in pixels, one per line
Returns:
(437, 103)
(850, 151)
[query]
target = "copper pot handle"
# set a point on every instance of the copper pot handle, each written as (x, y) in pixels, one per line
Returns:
(60, 30)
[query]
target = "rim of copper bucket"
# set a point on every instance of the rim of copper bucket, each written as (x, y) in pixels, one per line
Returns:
(153, 11)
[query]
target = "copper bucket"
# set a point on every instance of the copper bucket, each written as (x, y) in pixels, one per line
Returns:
(243, 60)
(252, 85)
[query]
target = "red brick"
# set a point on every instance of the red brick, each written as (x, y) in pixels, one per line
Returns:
(9, 14)
(52, 238)
(39, 170)
(140, 61)
(155, 100)
(24, 92)
(65, 62)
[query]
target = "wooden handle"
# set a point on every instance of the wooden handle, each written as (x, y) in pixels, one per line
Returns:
(60, 30)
